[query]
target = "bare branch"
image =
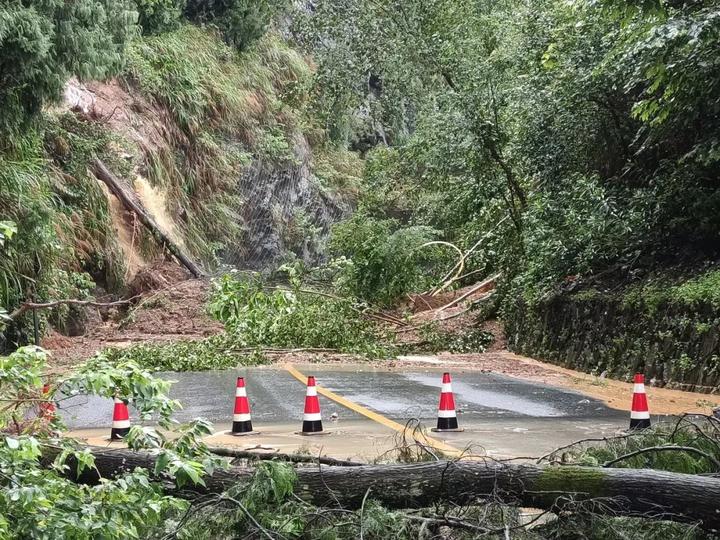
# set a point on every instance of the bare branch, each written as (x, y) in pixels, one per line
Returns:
(688, 449)
(55, 303)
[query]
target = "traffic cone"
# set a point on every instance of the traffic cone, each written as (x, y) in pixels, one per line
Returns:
(639, 413)
(447, 419)
(121, 420)
(242, 424)
(312, 420)
(47, 408)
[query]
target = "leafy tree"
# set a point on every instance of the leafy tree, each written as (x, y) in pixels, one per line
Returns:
(385, 261)
(37, 501)
(155, 16)
(242, 22)
(566, 137)
(42, 44)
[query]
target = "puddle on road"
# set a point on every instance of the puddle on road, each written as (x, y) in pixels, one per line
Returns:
(487, 398)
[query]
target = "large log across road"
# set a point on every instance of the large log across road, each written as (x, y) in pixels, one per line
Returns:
(622, 492)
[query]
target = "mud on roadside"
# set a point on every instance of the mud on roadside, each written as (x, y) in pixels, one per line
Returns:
(172, 308)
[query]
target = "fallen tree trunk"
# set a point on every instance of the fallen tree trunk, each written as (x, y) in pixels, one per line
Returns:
(621, 492)
(104, 174)
(290, 458)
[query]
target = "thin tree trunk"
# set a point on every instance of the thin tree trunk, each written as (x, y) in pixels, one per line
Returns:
(622, 492)
(104, 174)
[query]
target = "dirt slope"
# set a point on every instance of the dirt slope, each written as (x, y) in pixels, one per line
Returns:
(170, 307)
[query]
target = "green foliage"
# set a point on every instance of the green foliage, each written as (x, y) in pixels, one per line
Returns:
(38, 501)
(436, 339)
(698, 432)
(7, 230)
(570, 234)
(216, 352)
(43, 44)
(157, 16)
(124, 379)
(270, 500)
(42, 503)
(225, 108)
(694, 293)
(257, 315)
(567, 138)
(699, 291)
(383, 261)
(183, 458)
(63, 226)
(21, 385)
(242, 22)
(26, 198)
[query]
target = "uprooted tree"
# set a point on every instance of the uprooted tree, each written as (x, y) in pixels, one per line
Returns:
(619, 492)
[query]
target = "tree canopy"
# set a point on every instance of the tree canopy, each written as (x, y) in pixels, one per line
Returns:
(576, 135)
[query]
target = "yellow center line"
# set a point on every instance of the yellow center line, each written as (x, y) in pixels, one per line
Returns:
(380, 419)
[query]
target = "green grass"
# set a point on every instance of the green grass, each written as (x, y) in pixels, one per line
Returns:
(63, 223)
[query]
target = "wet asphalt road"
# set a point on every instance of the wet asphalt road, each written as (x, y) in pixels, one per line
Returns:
(277, 398)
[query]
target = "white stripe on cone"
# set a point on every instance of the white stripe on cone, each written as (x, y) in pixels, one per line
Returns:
(120, 424)
(447, 414)
(241, 417)
(638, 388)
(639, 415)
(311, 391)
(312, 417)
(240, 392)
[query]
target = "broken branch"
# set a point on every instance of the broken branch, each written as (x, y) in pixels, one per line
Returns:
(47, 305)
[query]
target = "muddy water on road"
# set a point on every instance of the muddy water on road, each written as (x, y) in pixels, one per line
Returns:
(503, 416)
(277, 398)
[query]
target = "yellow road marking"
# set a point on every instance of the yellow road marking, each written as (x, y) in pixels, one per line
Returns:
(380, 419)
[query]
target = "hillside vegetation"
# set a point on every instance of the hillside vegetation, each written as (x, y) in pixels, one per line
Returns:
(553, 163)
(188, 120)
(569, 146)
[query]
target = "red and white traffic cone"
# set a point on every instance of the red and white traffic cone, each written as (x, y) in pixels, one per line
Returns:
(47, 408)
(242, 424)
(121, 420)
(639, 413)
(447, 419)
(312, 420)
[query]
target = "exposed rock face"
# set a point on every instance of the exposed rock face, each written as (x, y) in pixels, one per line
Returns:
(285, 212)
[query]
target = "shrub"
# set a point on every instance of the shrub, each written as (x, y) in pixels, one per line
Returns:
(242, 21)
(157, 16)
(257, 315)
(386, 260)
